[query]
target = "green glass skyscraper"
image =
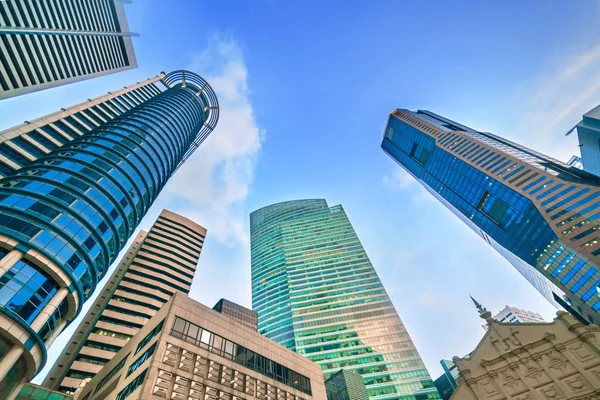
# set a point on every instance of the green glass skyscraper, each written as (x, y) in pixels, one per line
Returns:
(317, 293)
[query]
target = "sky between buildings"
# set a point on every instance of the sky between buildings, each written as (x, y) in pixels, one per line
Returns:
(305, 90)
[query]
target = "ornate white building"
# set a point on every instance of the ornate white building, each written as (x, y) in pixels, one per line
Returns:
(530, 361)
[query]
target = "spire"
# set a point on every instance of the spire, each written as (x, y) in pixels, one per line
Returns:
(483, 313)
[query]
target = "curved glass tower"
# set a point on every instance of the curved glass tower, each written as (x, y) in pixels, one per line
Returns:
(317, 293)
(65, 216)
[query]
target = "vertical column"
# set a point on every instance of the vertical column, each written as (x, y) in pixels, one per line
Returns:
(9, 360)
(52, 305)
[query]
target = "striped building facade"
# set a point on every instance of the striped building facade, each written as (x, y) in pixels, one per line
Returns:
(54, 42)
(158, 264)
(541, 214)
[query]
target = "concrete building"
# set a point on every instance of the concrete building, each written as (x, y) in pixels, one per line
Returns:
(541, 214)
(317, 293)
(238, 313)
(534, 361)
(65, 216)
(588, 133)
(51, 43)
(158, 264)
(345, 385)
(516, 315)
(189, 351)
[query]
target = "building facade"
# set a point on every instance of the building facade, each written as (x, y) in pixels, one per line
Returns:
(447, 382)
(158, 264)
(317, 293)
(516, 315)
(588, 134)
(344, 385)
(238, 313)
(51, 43)
(188, 351)
(539, 213)
(534, 361)
(65, 215)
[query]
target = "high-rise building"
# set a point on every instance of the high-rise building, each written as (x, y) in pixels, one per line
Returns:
(317, 293)
(158, 264)
(65, 215)
(447, 382)
(54, 42)
(541, 214)
(189, 352)
(517, 315)
(238, 313)
(588, 133)
(345, 385)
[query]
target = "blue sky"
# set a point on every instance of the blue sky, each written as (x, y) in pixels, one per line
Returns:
(306, 88)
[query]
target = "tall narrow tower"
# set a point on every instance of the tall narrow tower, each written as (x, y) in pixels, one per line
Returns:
(317, 293)
(541, 214)
(158, 264)
(65, 214)
(54, 42)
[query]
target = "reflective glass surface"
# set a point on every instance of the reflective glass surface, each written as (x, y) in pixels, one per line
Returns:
(316, 292)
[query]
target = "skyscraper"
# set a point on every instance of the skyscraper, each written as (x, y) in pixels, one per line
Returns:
(517, 315)
(54, 42)
(539, 213)
(238, 313)
(588, 133)
(65, 215)
(159, 263)
(317, 293)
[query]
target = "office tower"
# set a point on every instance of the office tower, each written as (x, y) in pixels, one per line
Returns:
(317, 293)
(188, 351)
(238, 313)
(516, 315)
(447, 382)
(539, 213)
(65, 216)
(54, 42)
(588, 133)
(158, 264)
(344, 385)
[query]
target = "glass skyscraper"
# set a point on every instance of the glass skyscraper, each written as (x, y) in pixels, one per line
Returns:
(317, 293)
(541, 214)
(66, 213)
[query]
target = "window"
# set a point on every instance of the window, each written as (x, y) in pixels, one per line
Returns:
(136, 383)
(141, 359)
(149, 336)
(112, 373)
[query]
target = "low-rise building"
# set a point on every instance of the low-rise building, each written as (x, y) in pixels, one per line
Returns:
(530, 361)
(189, 351)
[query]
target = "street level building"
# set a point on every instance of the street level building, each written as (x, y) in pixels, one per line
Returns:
(66, 214)
(238, 313)
(317, 293)
(189, 351)
(158, 264)
(344, 385)
(541, 214)
(29, 391)
(54, 42)
(532, 360)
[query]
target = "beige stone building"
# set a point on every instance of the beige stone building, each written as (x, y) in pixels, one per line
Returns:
(189, 351)
(158, 264)
(530, 361)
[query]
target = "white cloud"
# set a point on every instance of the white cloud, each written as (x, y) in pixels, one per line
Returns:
(557, 101)
(212, 185)
(398, 179)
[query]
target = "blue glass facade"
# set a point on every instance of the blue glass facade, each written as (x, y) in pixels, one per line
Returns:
(78, 205)
(519, 201)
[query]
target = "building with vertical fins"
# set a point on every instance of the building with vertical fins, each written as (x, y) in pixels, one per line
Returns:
(65, 215)
(51, 43)
(317, 293)
(588, 133)
(344, 385)
(158, 264)
(541, 214)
